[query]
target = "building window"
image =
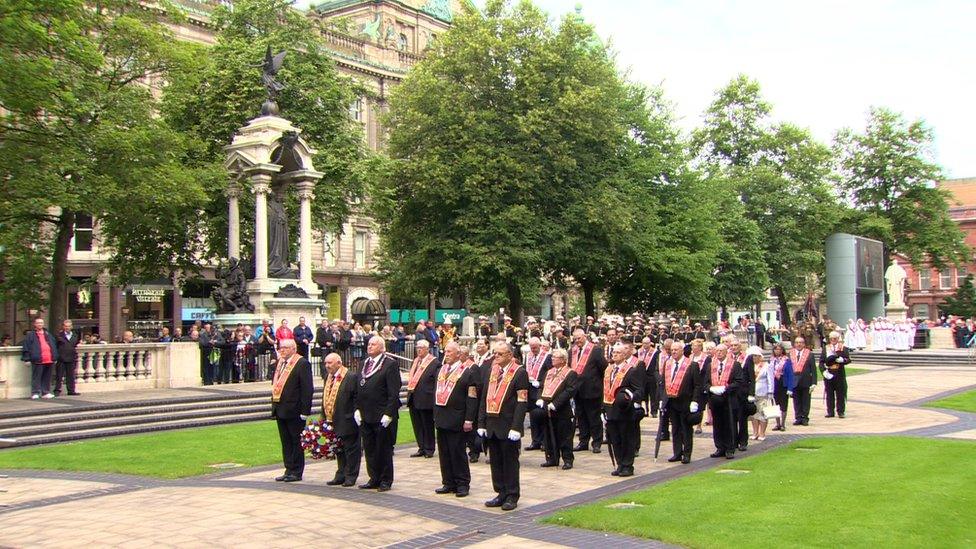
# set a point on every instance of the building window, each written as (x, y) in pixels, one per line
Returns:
(961, 274)
(403, 42)
(921, 311)
(356, 110)
(945, 279)
(84, 233)
(925, 280)
(330, 249)
(359, 247)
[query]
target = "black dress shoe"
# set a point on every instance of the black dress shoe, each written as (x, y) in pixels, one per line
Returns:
(292, 478)
(418, 454)
(717, 454)
(462, 492)
(336, 482)
(369, 486)
(281, 478)
(444, 490)
(686, 460)
(829, 415)
(548, 464)
(798, 422)
(349, 483)
(580, 447)
(74, 394)
(674, 459)
(615, 472)
(509, 505)
(806, 422)
(568, 465)
(626, 472)
(384, 487)
(596, 449)
(531, 447)
(473, 459)
(743, 447)
(840, 416)
(496, 501)
(428, 456)
(665, 438)
(729, 455)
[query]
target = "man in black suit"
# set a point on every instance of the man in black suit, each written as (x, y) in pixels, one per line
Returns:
(303, 336)
(67, 359)
(377, 405)
(291, 404)
(589, 363)
(806, 379)
(682, 397)
(833, 362)
(455, 412)
(339, 409)
(745, 393)
(483, 358)
(623, 384)
(421, 383)
(555, 399)
(723, 378)
(537, 363)
(501, 420)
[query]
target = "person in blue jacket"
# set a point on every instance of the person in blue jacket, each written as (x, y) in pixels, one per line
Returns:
(785, 383)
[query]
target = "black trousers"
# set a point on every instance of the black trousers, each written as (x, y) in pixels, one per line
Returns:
(620, 434)
(682, 436)
(588, 420)
(455, 472)
(782, 399)
(836, 391)
(378, 448)
(290, 433)
(66, 376)
(206, 368)
(41, 378)
(537, 419)
(504, 466)
(801, 403)
(741, 423)
(722, 425)
(562, 428)
(423, 429)
(349, 458)
(637, 435)
(475, 444)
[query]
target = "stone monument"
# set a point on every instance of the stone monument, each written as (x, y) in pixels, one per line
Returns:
(269, 157)
(895, 277)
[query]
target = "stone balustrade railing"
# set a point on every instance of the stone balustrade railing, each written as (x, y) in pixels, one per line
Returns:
(407, 59)
(345, 43)
(112, 368)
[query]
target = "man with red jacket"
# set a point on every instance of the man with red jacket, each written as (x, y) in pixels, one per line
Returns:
(41, 351)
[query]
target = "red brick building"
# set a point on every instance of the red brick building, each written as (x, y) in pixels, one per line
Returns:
(928, 288)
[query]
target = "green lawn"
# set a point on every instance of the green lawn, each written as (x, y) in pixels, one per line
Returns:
(964, 402)
(823, 492)
(166, 454)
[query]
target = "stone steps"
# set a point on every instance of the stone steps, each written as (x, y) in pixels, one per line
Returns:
(911, 358)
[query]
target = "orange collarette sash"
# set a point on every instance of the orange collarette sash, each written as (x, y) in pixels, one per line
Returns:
(799, 361)
(673, 385)
(554, 380)
(580, 359)
(417, 369)
(645, 356)
(281, 376)
(446, 383)
(723, 380)
(611, 382)
(498, 383)
(534, 363)
(332, 391)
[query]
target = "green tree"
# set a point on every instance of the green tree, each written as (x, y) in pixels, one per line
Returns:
(963, 301)
(222, 91)
(782, 176)
(888, 176)
(741, 275)
(79, 135)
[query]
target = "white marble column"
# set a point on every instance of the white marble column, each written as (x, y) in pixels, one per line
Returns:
(305, 196)
(261, 183)
(233, 220)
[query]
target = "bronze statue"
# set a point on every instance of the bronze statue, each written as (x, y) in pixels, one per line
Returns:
(231, 296)
(269, 69)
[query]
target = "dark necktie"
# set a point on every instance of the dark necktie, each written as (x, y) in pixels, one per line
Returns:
(369, 366)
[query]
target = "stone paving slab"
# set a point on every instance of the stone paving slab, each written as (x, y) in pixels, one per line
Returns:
(18, 490)
(904, 385)
(969, 434)
(513, 542)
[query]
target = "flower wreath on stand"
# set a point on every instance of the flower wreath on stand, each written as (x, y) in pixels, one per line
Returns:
(320, 441)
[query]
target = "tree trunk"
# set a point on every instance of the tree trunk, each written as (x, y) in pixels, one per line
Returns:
(588, 291)
(57, 296)
(514, 302)
(784, 309)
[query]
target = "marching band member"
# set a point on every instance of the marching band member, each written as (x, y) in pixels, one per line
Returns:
(832, 366)
(623, 383)
(455, 412)
(682, 398)
(556, 399)
(588, 361)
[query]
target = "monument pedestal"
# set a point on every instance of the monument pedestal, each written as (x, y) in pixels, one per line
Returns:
(896, 312)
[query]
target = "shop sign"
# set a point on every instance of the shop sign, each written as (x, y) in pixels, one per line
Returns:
(148, 295)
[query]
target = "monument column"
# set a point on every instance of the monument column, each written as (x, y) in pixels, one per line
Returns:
(305, 196)
(233, 192)
(260, 177)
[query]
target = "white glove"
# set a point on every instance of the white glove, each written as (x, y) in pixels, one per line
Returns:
(482, 432)
(603, 417)
(539, 403)
(840, 360)
(552, 407)
(828, 375)
(514, 436)
(789, 393)
(693, 407)
(751, 398)
(357, 417)
(385, 421)
(535, 384)
(713, 390)
(812, 387)
(719, 390)
(304, 417)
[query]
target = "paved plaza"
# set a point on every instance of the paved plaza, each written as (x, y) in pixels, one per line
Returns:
(246, 508)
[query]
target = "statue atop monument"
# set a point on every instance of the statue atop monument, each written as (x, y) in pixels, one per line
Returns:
(231, 296)
(895, 277)
(269, 69)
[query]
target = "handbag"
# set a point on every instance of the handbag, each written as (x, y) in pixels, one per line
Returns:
(771, 409)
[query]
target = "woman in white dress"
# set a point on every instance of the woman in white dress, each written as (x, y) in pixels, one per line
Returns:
(879, 340)
(849, 331)
(912, 328)
(860, 335)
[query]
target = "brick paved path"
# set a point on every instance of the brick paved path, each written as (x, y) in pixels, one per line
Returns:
(246, 508)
